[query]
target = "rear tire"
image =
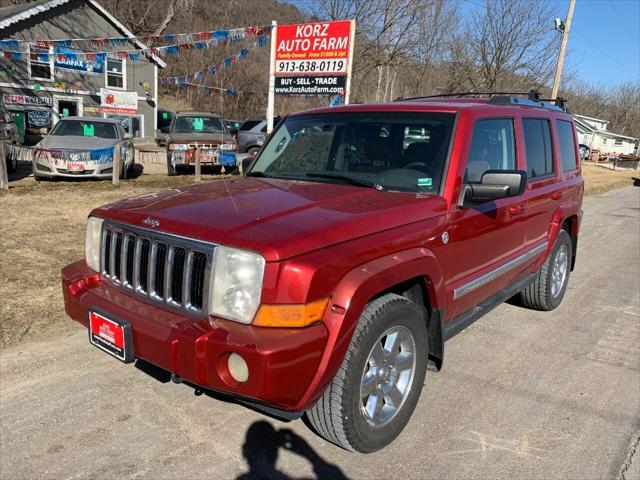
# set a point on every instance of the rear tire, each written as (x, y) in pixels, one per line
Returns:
(548, 289)
(375, 391)
(12, 162)
(253, 150)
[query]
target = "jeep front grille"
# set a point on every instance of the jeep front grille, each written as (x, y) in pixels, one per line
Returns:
(165, 268)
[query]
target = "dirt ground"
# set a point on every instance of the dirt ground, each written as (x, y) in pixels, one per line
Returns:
(42, 229)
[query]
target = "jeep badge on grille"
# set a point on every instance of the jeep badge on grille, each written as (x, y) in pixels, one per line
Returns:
(151, 222)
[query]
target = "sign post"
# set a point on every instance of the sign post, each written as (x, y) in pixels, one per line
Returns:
(271, 101)
(310, 59)
(347, 91)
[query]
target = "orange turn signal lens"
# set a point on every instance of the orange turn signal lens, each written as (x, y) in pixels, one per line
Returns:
(292, 316)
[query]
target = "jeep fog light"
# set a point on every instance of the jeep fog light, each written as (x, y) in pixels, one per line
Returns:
(92, 243)
(236, 284)
(238, 368)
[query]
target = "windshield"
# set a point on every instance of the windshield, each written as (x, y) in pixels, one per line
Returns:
(82, 128)
(396, 151)
(197, 124)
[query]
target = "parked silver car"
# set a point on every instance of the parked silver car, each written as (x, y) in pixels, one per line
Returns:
(252, 133)
(83, 147)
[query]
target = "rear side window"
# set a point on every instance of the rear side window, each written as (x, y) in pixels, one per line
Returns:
(492, 148)
(249, 124)
(537, 141)
(567, 144)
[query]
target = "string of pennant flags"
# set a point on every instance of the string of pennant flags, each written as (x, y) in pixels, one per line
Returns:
(213, 69)
(12, 48)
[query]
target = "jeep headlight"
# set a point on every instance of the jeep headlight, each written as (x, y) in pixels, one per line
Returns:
(236, 284)
(92, 243)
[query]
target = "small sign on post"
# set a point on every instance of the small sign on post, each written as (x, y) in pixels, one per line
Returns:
(115, 176)
(198, 170)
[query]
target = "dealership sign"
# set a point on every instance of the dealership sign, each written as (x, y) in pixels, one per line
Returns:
(27, 100)
(312, 58)
(116, 101)
(313, 48)
(308, 85)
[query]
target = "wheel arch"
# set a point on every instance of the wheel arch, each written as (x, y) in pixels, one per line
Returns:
(409, 271)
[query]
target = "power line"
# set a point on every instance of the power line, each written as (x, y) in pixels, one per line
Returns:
(601, 50)
(623, 23)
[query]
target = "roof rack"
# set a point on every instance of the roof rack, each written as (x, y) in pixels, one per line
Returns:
(505, 98)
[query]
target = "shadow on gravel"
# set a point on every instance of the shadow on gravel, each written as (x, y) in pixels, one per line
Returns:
(261, 447)
(263, 441)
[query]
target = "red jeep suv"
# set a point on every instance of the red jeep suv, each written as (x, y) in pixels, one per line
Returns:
(327, 278)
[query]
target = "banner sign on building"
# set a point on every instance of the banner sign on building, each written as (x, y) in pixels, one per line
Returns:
(307, 85)
(77, 63)
(27, 100)
(115, 101)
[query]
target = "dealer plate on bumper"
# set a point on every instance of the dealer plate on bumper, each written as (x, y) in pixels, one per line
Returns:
(111, 335)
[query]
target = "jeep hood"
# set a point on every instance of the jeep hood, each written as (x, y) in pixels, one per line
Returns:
(278, 218)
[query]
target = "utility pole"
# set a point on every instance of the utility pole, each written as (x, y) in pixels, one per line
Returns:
(564, 26)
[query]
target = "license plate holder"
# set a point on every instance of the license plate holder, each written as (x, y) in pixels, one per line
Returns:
(75, 167)
(111, 335)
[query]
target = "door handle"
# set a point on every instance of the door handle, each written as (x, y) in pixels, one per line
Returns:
(516, 209)
(556, 195)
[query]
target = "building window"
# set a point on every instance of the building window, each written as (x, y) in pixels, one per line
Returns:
(604, 141)
(116, 71)
(618, 142)
(40, 63)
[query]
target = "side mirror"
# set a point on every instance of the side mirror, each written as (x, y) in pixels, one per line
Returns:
(494, 185)
(128, 136)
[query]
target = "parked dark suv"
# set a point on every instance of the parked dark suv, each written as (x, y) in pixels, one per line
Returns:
(327, 279)
(205, 131)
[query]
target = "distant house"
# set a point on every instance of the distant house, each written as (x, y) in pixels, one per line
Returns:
(38, 88)
(593, 133)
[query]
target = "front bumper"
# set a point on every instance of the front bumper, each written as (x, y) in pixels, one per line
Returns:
(282, 362)
(46, 169)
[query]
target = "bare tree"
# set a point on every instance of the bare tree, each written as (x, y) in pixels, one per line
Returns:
(510, 38)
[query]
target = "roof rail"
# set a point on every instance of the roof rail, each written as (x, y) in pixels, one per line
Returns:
(532, 98)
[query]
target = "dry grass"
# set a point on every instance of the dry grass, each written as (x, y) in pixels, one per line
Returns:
(42, 229)
(598, 179)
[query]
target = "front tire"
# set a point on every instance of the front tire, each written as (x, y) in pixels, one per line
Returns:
(375, 391)
(548, 289)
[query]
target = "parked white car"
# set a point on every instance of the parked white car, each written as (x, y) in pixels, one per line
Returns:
(83, 147)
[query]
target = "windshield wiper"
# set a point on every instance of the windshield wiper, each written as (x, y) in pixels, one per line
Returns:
(345, 178)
